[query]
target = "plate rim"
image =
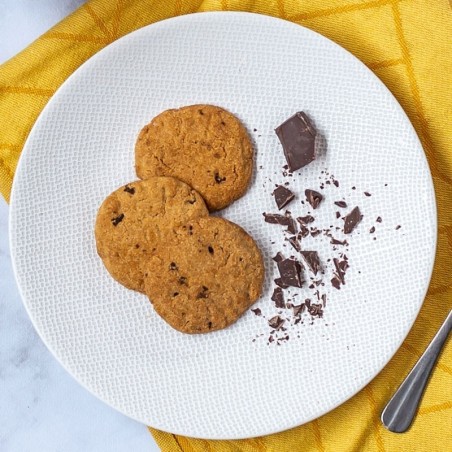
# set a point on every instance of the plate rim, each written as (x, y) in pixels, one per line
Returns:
(188, 18)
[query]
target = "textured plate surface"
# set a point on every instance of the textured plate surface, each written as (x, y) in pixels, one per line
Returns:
(224, 385)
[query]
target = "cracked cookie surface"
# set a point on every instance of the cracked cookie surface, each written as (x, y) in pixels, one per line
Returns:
(134, 221)
(203, 145)
(210, 272)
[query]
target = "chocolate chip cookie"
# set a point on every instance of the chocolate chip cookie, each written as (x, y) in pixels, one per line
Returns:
(205, 146)
(206, 277)
(133, 222)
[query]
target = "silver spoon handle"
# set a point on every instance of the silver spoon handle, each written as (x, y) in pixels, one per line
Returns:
(400, 410)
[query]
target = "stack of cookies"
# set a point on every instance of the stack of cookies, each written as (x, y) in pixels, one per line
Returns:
(155, 235)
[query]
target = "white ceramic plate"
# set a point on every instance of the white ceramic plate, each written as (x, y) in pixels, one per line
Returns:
(224, 384)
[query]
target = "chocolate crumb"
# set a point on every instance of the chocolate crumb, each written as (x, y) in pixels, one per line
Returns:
(278, 297)
(338, 214)
(353, 188)
(398, 227)
(367, 193)
(335, 182)
(379, 220)
(372, 230)
(117, 219)
(304, 231)
(341, 204)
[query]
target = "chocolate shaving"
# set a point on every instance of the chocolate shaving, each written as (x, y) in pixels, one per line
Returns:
(352, 220)
(379, 220)
(257, 311)
(313, 197)
(297, 136)
(367, 193)
(278, 297)
(341, 204)
(338, 242)
(312, 260)
(283, 196)
(372, 230)
(341, 268)
(338, 214)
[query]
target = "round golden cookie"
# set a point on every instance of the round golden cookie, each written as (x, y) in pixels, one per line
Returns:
(202, 145)
(208, 275)
(133, 222)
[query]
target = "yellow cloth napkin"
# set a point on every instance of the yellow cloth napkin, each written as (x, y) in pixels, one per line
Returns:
(408, 44)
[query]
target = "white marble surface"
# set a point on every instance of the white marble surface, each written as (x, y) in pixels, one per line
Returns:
(42, 408)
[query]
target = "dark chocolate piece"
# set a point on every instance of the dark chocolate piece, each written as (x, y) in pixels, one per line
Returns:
(352, 220)
(312, 260)
(278, 258)
(304, 231)
(379, 219)
(315, 310)
(278, 297)
(313, 197)
(341, 268)
(279, 282)
(257, 311)
(338, 242)
(130, 190)
(283, 220)
(282, 196)
(297, 136)
(276, 322)
(341, 204)
(117, 219)
(315, 232)
(335, 282)
(298, 310)
(305, 220)
(290, 272)
(295, 243)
